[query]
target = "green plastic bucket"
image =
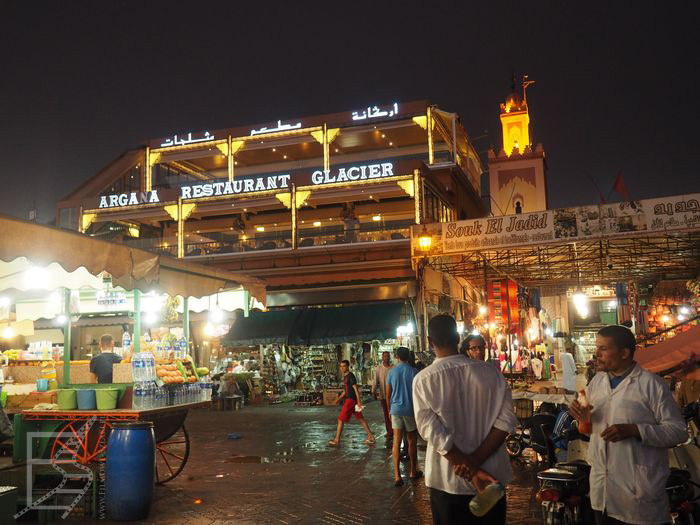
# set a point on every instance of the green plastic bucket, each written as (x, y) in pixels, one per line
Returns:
(67, 399)
(107, 398)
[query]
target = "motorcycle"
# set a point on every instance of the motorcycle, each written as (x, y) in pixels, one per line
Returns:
(563, 494)
(534, 433)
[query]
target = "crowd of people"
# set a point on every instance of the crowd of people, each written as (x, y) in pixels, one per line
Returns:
(461, 405)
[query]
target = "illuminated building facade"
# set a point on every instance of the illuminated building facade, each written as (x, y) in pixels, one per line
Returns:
(320, 207)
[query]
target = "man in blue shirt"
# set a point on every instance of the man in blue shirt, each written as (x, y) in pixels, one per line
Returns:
(399, 390)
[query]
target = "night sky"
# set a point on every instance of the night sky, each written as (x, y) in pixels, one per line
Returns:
(616, 85)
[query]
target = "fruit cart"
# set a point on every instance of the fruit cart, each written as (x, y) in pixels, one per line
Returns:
(43, 271)
(79, 437)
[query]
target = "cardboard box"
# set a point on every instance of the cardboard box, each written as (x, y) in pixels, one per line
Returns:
(28, 401)
(121, 373)
(330, 395)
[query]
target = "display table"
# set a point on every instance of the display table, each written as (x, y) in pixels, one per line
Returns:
(544, 398)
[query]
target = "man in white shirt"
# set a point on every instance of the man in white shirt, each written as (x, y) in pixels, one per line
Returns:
(464, 410)
(635, 421)
(379, 391)
(568, 370)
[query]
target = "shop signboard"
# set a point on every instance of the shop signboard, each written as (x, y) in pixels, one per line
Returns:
(561, 225)
(371, 171)
(132, 198)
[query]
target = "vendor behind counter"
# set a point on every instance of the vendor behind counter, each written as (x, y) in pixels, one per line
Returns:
(101, 365)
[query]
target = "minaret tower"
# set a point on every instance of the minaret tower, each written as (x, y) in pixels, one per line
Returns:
(517, 173)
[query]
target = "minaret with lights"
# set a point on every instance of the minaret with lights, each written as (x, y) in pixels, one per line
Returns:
(517, 173)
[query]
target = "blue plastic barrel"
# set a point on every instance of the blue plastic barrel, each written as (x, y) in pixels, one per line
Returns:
(86, 399)
(130, 470)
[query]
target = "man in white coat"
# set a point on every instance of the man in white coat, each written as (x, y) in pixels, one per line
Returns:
(635, 421)
(568, 369)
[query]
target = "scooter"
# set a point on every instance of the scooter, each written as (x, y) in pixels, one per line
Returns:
(563, 494)
(681, 497)
(533, 433)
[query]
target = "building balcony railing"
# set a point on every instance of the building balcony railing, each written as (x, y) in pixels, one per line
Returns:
(346, 233)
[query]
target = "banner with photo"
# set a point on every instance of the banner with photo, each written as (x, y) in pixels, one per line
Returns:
(561, 225)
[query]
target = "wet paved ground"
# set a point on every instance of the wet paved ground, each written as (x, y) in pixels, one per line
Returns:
(281, 471)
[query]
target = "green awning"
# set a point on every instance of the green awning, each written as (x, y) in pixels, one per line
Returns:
(364, 322)
(263, 328)
(318, 326)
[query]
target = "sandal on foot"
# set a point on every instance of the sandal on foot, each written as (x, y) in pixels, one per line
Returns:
(417, 475)
(370, 441)
(398, 482)
(333, 443)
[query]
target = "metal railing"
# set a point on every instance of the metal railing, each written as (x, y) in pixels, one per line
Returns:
(349, 232)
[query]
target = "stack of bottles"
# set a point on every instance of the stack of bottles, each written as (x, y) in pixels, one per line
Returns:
(147, 394)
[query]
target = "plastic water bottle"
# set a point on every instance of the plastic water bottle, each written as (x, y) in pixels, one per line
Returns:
(126, 340)
(138, 397)
(183, 348)
(484, 501)
(150, 367)
(135, 369)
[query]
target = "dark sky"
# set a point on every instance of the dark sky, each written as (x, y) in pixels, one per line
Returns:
(81, 81)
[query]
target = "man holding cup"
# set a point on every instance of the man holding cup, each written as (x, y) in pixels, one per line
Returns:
(633, 421)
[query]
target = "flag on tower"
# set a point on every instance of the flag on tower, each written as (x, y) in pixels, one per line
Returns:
(621, 188)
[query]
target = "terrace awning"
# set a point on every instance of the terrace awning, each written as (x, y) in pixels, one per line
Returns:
(364, 322)
(130, 268)
(263, 328)
(318, 326)
(671, 353)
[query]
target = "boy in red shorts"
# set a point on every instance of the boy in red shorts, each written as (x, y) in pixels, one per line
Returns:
(352, 399)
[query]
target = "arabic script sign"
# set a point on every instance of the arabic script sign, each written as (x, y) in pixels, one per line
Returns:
(375, 112)
(563, 224)
(186, 139)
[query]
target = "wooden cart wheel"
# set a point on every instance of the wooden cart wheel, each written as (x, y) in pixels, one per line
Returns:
(171, 455)
(81, 441)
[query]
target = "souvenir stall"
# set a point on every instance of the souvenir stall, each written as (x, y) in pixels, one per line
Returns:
(301, 349)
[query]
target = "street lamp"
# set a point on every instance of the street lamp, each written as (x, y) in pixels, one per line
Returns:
(425, 240)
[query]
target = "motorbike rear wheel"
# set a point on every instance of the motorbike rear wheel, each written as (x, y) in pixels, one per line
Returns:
(514, 445)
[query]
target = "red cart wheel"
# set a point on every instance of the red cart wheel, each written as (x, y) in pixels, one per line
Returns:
(171, 455)
(82, 442)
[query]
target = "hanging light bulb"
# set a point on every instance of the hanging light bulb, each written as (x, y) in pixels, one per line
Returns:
(216, 315)
(581, 304)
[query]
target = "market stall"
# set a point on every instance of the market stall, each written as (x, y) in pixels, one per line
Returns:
(298, 351)
(57, 276)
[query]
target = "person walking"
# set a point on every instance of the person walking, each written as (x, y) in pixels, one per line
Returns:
(537, 367)
(351, 405)
(399, 391)
(464, 410)
(568, 370)
(634, 422)
(379, 391)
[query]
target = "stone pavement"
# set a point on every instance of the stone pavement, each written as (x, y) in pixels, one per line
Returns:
(281, 471)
